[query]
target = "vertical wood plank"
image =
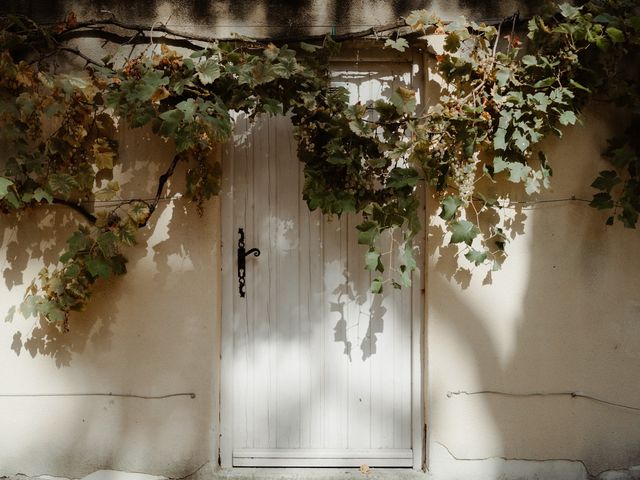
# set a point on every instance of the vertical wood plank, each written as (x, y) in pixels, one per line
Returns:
(226, 347)
(259, 294)
(305, 373)
(269, 133)
(287, 290)
(240, 317)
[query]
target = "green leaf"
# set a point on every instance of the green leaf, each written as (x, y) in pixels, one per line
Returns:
(579, 86)
(103, 154)
(615, 34)
(307, 47)
(372, 260)
(143, 89)
(463, 231)
(602, 201)
(499, 165)
(376, 285)
(367, 232)
(405, 278)
(503, 76)
(569, 11)
(77, 242)
(171, 120)
(188, 107)
(450, 206)
(529, 60)
(13, 200)
(98, 268)
(404, 99)
(408, 258)
(399, 44)
(271, 52)
(208, 71)
(476, 256)
(72, 271)
(518, 172)
(547, 82)
(62, 183)
(499, 141)
(419, 19)
(629, 216)
(5, 183)
(107, 243)
(606, 181)
(272, 106)
(403, 177)
(603, 43)
(452, 42)
(54, 314)
(39, 194)
(567, 118)
(520, 140)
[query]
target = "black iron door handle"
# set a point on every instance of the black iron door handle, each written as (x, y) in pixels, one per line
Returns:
(242, 264)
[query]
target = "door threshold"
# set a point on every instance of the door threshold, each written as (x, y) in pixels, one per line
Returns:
(282, 473)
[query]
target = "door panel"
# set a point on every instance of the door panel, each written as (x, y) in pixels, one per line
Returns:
(318, 370)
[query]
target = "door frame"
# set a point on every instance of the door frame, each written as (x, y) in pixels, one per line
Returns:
(228, 288)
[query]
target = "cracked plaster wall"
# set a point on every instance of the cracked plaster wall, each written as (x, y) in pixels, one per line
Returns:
(563, 315)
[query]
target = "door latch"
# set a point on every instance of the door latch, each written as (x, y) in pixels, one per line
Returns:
(242, 264)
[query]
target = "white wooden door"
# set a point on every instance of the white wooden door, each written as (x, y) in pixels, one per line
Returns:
(317, 371)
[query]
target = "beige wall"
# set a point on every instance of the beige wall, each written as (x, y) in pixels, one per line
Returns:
(563, 315)
(152, 332)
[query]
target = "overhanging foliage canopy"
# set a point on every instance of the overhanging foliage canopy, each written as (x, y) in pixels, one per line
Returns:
(503, 95)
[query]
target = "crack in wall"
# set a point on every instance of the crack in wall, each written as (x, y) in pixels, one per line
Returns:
(534, 460)
(192, 473)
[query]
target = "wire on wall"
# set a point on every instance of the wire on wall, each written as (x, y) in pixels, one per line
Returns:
(545, 394)
(100, 394)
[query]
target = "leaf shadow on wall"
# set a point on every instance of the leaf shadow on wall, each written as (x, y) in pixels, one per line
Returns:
(553, 321)
(38, 236)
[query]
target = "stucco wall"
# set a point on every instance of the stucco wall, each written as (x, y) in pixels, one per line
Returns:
(507, 348)
(153, 332)
(563, 315)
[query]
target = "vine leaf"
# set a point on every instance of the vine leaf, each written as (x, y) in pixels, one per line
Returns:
(103, 154)
(475, 256)
(208, 71)
(98, 267)
(606, 180)
(5, 183)
(567, 118)
(372, 261)
(463, 231)
(450, 206)
(63, 183)
(399, 44)
(503, 76)
(602, 201)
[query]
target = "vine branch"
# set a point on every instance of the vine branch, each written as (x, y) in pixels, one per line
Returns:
(78, 208)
